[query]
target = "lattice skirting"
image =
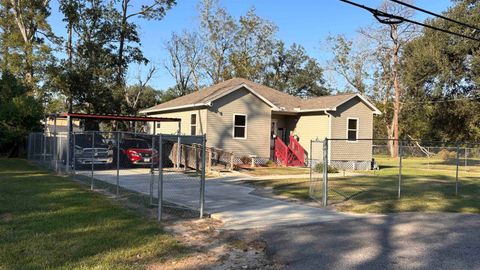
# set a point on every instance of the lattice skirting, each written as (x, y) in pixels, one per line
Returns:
(257, 160)
(351, 165)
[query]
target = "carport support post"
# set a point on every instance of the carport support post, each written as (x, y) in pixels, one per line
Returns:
(160, 178)
(456, 173)
(118, 162)
(325, 173)
(400, 169)
(202, 177)
(91, 160)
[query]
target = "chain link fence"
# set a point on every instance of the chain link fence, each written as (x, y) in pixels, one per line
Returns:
(369, 171)
(166, 172)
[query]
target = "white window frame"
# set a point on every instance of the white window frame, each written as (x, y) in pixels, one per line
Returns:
(357, 129)
(233, 126)
(196, 123)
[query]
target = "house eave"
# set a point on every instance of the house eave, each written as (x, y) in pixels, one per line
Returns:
(183, 107)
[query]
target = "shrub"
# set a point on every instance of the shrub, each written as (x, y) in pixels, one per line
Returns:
(270, 163)
(246, 160)
(319, 168)
(444, 154)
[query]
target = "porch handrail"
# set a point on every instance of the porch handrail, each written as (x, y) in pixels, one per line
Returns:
(297, 149)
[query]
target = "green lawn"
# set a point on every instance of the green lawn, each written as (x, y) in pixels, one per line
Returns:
(51, 222)
(428, 185)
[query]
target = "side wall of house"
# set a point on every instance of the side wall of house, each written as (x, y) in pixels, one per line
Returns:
(220, 124)
(312, 126)
(185, 116)
(357, 150)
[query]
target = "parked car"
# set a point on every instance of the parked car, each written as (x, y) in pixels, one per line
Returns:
(101, 153)
(136, 151)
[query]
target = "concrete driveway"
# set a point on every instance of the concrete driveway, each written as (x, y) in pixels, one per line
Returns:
(234, 204)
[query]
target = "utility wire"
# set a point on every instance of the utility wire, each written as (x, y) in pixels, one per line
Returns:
(435, 14)
(388, 18)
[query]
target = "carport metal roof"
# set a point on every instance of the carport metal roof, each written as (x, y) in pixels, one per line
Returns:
(117, 117)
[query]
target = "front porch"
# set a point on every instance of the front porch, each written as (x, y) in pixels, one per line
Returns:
(285, 148)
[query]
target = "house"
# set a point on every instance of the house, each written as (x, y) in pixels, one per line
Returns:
(250, 119)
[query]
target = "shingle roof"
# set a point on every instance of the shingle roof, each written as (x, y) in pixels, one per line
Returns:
(281, 100)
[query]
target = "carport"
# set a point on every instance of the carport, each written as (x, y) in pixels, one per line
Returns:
(102, 117)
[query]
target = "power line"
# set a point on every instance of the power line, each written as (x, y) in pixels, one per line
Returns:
(435, 14)
(387, 18)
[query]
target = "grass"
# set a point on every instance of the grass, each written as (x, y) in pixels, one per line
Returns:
(427, 185)
(51, 222)
(263, 171)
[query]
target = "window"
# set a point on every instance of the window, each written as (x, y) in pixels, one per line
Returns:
(158, 125)
(239, 126)
(352, 129)
(193, 124)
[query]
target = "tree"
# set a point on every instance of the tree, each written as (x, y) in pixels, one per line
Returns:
(253, 44)
(441, 72)
(186, 53)
(352, 61)
(24, 30)
(128, 34)
(20, 113)
(294, 72)
(217, 28)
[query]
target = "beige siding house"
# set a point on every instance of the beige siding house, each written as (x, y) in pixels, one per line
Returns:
(243, 117)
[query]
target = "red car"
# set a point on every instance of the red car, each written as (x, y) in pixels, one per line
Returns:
(138, 152)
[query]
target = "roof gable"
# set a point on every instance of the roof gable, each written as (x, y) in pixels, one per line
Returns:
(277, 100)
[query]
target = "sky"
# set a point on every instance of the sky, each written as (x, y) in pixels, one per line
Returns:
(305, 22)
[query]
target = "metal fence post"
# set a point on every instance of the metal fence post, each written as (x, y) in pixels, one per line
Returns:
(160, 178)
(310, 161)
(202, 177)
(118, 163)
(466, 158)
(456, 172)
(67, 163)
(152, 171)
(325, 172)
(91, 159)
(74, 161)
(55, 150)
(44, 147)
(400, 152)
(179, 151)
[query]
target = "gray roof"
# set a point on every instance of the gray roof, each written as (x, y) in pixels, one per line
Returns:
(281, 100)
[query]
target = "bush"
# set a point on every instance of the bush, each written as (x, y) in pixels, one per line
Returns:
(319, 168)
(246, 160)
(270, 163)
(444, 154)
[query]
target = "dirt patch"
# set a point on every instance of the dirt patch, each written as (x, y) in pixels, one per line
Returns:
(213, 248)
